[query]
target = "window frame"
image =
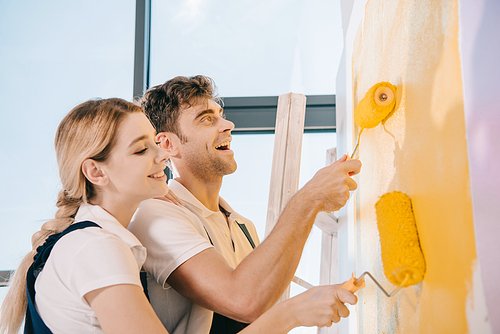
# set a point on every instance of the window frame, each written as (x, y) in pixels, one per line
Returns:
(257, 114)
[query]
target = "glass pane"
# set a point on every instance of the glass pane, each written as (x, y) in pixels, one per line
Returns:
(250, 48)
(54, 55)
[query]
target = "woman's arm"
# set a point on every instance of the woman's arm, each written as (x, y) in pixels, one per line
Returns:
(319, 306)
(124, 308)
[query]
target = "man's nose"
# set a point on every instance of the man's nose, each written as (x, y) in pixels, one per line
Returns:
(227, 125)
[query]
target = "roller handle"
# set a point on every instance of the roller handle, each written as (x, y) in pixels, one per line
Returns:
(354, 284)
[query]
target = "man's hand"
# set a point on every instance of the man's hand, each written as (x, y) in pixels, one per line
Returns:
(322, 305)
(319, 306)
(330, 187)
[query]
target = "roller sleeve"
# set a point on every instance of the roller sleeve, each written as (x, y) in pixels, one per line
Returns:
(377, 104)
(399, 240)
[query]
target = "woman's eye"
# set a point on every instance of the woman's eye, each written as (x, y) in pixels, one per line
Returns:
(141, 151)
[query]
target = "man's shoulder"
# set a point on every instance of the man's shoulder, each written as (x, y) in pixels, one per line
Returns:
(153, 207)
(158, 212)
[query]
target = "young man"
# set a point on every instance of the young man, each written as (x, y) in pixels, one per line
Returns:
(201, 257)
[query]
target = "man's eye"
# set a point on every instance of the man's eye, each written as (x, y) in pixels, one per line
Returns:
(141, 151)
(223, 116)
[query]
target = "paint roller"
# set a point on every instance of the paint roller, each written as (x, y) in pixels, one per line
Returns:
(378, 103)
(402, 257)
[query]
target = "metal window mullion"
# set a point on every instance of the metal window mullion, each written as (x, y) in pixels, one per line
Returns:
(142, 47)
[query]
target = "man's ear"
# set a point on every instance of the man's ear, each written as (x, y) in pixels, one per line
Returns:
(169, 142)
(93, 172)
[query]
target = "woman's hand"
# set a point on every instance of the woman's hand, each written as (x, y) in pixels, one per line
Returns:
(171, 198)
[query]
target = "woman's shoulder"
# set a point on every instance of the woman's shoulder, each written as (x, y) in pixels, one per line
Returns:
(90, 258)
(93, 247)
(86, 239)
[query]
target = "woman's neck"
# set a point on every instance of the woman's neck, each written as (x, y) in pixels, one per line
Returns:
(122, 211)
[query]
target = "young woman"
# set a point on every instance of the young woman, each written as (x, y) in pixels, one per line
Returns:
(108, 163)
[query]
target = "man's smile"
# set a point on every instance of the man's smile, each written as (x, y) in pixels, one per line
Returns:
(223, 146)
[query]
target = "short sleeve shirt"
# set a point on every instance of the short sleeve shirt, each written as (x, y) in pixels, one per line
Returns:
(174, 234)
(83, 261)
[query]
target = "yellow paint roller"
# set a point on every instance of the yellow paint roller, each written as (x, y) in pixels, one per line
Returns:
(377, 104)
(402, 257)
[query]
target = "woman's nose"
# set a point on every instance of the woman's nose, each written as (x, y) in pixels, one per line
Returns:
(162, 155)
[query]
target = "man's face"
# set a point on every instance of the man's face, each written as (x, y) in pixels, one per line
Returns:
(206, 149)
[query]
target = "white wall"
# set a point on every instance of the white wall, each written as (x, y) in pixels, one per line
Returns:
(480, 49)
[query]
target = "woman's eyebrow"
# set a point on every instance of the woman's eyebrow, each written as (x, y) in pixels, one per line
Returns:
(138, 139)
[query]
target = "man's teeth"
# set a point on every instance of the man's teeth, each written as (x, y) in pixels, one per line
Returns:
(222, 145)
(158, 175)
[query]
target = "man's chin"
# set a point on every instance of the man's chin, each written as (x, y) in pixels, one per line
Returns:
(231, 172)
(231, 169)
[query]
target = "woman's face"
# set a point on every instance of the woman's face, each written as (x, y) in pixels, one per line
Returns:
(135, 164)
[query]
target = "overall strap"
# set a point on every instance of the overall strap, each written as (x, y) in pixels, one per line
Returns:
(220, 323)
(246, 233)
(243, 227)
(143, 275)
(33, 322)
(224, 325)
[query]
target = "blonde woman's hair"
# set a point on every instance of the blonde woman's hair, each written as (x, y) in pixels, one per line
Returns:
(87, 131)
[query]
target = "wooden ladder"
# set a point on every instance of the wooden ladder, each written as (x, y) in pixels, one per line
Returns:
(285, 182)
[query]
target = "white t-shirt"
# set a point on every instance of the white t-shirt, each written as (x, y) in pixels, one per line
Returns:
(82, 261)
(174, 234)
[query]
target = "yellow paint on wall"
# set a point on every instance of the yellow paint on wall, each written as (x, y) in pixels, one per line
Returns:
(420, 150)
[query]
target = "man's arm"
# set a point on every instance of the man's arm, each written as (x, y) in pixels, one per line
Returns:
(261, 278)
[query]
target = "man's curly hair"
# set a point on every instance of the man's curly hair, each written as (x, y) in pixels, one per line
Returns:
(163, 103)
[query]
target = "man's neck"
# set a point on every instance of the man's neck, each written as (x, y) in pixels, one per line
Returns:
(205, 191)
